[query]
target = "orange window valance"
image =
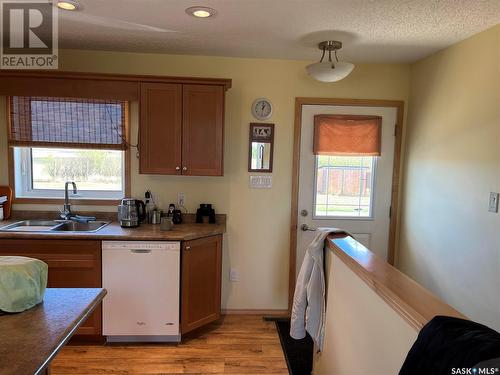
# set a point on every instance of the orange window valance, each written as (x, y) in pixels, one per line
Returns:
(348, 135)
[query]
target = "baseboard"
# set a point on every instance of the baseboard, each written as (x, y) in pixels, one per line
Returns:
(254, 312)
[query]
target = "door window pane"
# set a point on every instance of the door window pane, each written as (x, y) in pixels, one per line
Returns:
(344, 186)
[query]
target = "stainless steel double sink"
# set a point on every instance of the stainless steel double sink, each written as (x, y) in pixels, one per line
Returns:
(54, 226)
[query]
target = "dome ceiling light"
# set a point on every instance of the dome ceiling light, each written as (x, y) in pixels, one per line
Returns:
(68, 5)
(330, 71)
(201, 12)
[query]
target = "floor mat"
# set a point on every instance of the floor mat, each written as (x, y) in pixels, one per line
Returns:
(298, 353)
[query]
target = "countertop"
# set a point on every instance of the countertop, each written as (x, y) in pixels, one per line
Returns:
(31, 339)
(113, 231)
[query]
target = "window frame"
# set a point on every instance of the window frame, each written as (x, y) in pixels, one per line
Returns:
(76, 201)
(371, 217)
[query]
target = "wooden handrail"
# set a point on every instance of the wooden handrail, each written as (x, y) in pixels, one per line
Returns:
(409, 299)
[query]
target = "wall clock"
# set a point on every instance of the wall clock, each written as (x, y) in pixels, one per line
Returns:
(262, 109)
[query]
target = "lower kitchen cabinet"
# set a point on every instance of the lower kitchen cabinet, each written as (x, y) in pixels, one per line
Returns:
(72, 264)
(201, 264)
(78, 264)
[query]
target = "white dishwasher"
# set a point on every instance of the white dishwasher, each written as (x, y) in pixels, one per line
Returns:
(143, 282)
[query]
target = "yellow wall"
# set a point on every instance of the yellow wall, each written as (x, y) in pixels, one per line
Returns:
(378, 337)
(449, 241)
(257, 241)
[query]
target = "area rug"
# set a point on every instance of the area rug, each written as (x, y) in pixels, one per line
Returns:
(298, 353)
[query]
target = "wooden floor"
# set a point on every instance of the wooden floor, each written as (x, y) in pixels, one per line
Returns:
(238, 344)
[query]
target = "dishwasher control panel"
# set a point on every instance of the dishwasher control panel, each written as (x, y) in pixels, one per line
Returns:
(143, 245)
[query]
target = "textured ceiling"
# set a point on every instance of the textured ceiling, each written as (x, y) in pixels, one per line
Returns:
(372, 30)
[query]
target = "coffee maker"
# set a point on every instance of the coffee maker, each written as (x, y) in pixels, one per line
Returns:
(131, 212)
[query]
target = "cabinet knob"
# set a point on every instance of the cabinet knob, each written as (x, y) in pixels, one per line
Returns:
(184, 168)
(177, 168)
(188, 248)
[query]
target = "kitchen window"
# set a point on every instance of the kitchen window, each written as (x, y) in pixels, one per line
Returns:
(55, 140)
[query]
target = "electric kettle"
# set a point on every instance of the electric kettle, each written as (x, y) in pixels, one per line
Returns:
(131, 213)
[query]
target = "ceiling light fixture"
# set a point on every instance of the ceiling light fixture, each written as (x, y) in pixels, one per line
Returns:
(329, 71)
(201, 12)
(68, 5)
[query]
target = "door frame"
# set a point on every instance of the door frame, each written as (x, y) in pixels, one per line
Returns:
(301, 101)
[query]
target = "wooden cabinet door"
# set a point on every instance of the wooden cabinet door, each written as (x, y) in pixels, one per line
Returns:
(72, 264)
(200, 282)
(160, 128)
(203, 130)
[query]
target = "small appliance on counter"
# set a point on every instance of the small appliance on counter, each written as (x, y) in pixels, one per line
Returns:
(205, 210)
(131, 213)
(175, 214)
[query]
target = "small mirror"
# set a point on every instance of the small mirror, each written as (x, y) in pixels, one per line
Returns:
(261, 144)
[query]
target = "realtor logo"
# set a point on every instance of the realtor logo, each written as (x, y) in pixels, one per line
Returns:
(28, 35)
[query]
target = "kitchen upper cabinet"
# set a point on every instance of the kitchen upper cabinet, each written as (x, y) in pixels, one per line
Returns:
(72, 264)
(200, 282)
(160, 128)
(182, 129)
(202, 130)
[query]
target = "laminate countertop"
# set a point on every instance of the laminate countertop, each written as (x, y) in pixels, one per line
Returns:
(113, 231)
(32, 338)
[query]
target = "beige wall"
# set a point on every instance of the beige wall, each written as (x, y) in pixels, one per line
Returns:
(363, 334)
(449, 241)
(257, 241)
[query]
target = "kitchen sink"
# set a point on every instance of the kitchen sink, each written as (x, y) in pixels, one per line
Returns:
(48, 226)
(75, 226)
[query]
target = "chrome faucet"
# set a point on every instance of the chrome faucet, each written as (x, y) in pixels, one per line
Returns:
(66, 211)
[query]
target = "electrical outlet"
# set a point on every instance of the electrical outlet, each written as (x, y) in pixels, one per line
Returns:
(493, 206)
(181, 200)
(234, 275)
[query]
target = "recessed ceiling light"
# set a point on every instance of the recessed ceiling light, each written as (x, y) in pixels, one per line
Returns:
(68, 5)
(201, 12)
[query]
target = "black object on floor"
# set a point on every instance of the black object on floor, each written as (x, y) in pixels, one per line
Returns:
(298, 353)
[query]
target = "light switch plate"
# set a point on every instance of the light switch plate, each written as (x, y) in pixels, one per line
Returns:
(261, 182)
(493, 206)
(234, 275)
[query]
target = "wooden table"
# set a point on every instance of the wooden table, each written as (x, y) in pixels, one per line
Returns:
(31, 339)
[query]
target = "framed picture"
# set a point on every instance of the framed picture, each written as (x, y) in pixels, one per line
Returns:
(260, 147)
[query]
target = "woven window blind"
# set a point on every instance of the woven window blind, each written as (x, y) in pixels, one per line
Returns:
(347, 135)
(67, 122)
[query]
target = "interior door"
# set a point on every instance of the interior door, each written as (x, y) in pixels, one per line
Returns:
(350, 193)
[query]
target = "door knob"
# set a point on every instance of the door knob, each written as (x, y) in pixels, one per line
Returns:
(177, 168)
(304, 213)
(187, 248)
(184, 168)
